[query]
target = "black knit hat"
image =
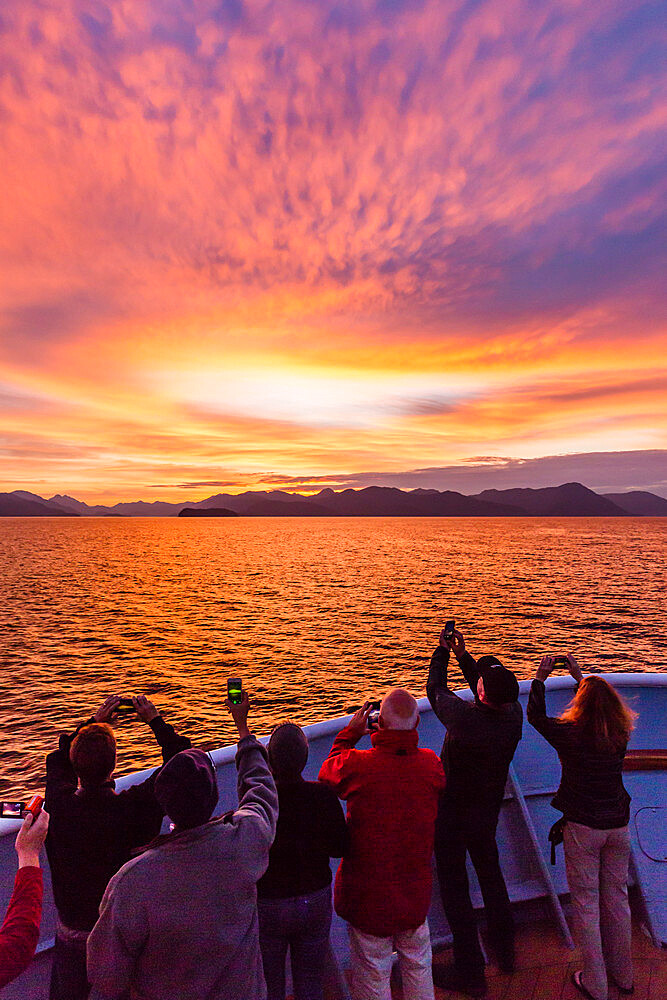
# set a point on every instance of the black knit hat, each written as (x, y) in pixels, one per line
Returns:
(500, 684)
(186, 788)
(288, 750)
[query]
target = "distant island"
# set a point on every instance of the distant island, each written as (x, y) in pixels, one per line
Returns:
(567, 500)
(207, 512)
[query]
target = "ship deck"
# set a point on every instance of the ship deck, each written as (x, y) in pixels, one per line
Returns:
(545, 965)
(544, 968)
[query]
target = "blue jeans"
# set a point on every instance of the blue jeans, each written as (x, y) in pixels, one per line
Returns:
(302, 924)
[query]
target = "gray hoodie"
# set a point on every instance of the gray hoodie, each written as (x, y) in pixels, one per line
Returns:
(180, 921)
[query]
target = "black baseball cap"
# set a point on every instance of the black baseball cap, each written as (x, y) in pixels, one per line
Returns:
(500, 684)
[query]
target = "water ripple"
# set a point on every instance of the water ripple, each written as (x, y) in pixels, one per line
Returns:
(314, 614)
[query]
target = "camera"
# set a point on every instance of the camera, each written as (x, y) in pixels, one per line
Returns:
(374, 716)
(15, 810)
(449, 629)
(12, 810)
(125, 706)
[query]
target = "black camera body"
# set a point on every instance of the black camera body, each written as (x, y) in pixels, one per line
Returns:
(374, 716)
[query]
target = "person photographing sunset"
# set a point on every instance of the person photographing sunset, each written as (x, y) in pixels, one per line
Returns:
(179, 922)
(20, 929)
(383, 885)
(481, 739)
(94, 829)
(591, 738)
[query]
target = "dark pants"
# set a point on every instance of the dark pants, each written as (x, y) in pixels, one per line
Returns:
(472, 829)
(301, 923)
(68, 972)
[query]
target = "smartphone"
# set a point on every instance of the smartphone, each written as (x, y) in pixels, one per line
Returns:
(235, 690)
(449, 629)
(561, 661)
(372, 721)
(15, 810)
(125, 705)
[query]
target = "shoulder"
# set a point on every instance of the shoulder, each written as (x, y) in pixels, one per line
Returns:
(131, 873)
(319, 791)
(429, 761)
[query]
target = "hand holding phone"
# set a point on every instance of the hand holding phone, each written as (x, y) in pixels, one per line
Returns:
(108, 708)
(373, 719)
(452, 639)
(235, 690)
(31, 837)
(144, 708)
(238, 706)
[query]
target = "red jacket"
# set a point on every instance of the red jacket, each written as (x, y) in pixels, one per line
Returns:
(383, 885)
(20, 930)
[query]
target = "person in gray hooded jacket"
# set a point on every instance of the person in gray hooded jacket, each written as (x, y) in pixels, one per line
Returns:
(181, 919)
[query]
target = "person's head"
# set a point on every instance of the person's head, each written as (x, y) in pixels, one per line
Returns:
(601, 713)
(288, 751)
(496, 685)
(93, 754)
(398, 710)
(187, 789)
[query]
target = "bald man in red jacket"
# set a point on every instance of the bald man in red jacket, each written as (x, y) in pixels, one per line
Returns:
(383, 885)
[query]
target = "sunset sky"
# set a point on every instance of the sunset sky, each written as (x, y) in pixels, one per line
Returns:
(266, 243)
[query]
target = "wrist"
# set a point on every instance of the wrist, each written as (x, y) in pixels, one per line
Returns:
(243, 730)
(540, 676)
(28, 859)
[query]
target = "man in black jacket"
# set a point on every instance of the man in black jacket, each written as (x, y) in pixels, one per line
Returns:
(94, 830)
(482, 736)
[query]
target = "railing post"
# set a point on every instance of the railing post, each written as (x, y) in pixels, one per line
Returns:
(544, 869)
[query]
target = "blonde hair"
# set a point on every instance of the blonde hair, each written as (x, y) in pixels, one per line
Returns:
(601, 713)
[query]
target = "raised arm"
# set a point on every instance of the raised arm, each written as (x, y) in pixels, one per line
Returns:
(446, 705)
(553, 730)
(168, 739)
(20, 929)
(257, 813)
(339, 767)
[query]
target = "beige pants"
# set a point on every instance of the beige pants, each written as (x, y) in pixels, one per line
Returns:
(371, 957)
(597, 874)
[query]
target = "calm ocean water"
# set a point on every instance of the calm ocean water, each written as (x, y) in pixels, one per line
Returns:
(314, 614)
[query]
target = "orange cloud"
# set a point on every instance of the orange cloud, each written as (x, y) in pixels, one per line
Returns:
(254, 232)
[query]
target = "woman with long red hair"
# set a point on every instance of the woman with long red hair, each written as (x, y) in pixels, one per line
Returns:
(591, 737)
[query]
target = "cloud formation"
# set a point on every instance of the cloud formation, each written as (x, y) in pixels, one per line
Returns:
(359, 234)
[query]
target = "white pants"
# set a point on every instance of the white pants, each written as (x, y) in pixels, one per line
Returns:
(596, 862)
(370, 959)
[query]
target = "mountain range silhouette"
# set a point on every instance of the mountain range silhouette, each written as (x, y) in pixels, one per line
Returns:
(567, 500)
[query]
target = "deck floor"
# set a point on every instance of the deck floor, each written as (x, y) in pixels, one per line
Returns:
(545, 966)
